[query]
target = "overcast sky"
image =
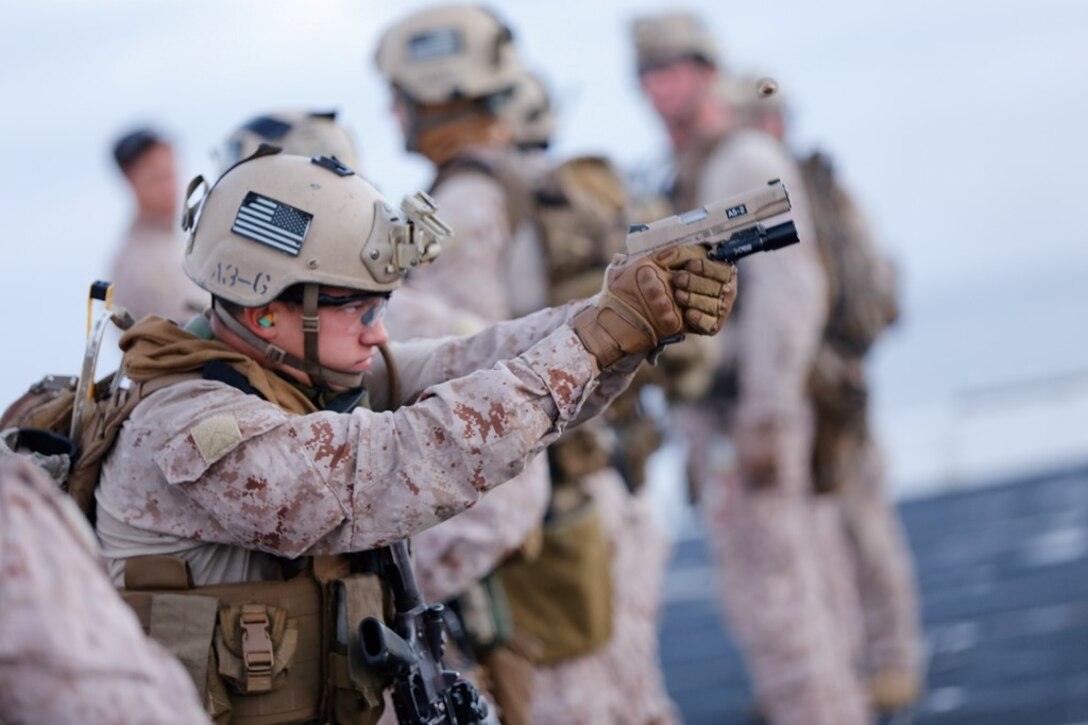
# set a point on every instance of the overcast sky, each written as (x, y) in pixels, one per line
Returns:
(960, 126)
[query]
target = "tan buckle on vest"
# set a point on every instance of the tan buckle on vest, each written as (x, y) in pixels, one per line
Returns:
(257, 652)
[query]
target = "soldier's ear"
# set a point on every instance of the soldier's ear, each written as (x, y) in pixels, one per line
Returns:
(262, 321)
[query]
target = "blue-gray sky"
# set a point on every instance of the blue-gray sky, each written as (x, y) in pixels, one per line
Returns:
(958, 125)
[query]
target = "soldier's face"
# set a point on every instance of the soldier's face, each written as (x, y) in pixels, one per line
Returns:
(675, 88)
(349, 334)
(153, 177)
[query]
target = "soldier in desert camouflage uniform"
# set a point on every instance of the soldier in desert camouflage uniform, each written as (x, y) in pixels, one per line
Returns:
(455, 111)
(779, 550)
(70, 650)
(249, 464)
(452, 557)
(146, 267)
(580, 218)
(847, 460)
(451, 67)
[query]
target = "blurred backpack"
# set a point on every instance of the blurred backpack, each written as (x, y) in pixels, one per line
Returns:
(577, 206)
(862, 304)
(560, 598)
(68, 424)
(861, 279)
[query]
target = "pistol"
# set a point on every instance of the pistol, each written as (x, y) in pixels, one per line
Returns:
(732, 229)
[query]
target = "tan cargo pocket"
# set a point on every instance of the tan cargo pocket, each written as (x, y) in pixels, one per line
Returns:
(253, 664)
(563, 598)
(184, 625)
(293, 634)
(255, 644)
(356, 690)
(485, 613)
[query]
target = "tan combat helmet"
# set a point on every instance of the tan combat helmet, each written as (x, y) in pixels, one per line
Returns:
(530, 112)
(662, 39)
(276, 222)
(303, 133)
(449, 53)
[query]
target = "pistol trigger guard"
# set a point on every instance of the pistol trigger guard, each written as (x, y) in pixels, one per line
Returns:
(672, 339)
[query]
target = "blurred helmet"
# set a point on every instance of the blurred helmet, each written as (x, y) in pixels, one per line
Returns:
(447, 53)
(276, 221)
(302, 133)
(662, 39)
(530, 112)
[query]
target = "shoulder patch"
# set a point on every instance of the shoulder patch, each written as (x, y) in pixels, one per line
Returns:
(215, 436)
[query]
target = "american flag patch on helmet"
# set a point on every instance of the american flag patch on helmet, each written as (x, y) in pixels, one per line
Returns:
(435, 44)
(278, 225)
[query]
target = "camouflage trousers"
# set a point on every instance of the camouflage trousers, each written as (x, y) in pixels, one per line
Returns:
(786, 583)
(883, 566)
(621, 683)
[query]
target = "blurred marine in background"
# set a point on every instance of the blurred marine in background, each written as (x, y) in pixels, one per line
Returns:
(783, 564)
(146, 268)
(847, 461)
(567, 627)
(70, 649)
(451, 69)
(579, 212)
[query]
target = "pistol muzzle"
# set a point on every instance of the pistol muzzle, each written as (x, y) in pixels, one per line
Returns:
(780, 235)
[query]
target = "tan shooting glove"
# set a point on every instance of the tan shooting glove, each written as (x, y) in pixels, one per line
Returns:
(649, 299)
(705, 289)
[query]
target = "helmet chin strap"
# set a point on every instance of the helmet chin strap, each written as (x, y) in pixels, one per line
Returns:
(310, 326)
(320, 376)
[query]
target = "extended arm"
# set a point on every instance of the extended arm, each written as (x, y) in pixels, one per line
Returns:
(329, 482)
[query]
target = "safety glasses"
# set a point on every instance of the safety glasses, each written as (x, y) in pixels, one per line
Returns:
(369, 308)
